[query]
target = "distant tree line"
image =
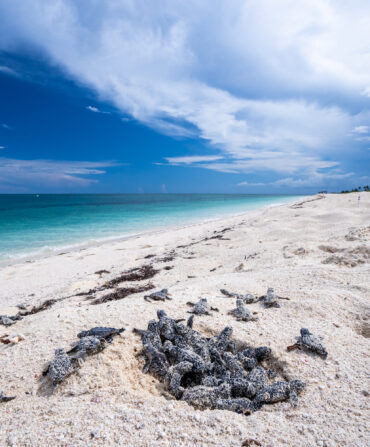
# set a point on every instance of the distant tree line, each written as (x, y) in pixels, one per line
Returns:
(359, 189)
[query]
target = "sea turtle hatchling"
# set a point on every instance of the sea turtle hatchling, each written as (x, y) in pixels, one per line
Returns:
(248, 298)
(60, 367)
(101, 332)
(8, 321)
(175, 376)
(162, 295)
(87, 346)
(166, 325)
(203, 397)
(90, 342)
(241, 313)
(156, 362)
(151, 335)
(271, 299)
(278, 392)
(201, 307)
(310, 342)
(222, 342)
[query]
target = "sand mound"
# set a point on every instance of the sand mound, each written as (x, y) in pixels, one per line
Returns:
(348, 257)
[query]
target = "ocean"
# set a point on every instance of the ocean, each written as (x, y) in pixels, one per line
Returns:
(33, 225)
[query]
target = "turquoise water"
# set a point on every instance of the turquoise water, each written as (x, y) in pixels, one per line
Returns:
(40, 224)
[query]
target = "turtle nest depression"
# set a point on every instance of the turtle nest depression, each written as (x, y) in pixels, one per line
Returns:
(212, 373)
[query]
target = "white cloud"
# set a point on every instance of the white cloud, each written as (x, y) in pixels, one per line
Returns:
(2, 147)
(361, 129)
(359, 132)
(7, 70)
(317, 179)
(191, 159)
(366, 92)
(52, 173)
(95, 110)
(279, 162)
(251, 184)
(367, 138)
(250, 78)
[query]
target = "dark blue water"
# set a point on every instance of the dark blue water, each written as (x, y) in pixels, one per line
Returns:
(37, 224)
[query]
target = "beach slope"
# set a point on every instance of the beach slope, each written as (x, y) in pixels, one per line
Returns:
(316, 252)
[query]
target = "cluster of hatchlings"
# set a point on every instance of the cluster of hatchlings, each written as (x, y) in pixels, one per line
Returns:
(211, 372)
(205, 372)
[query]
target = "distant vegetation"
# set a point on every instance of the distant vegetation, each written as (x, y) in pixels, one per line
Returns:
(359, 189)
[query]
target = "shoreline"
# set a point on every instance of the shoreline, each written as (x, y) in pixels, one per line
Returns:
(29, 258)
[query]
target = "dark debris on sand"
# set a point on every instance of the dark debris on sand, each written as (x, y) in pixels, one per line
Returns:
(212, 372)
(121, 292)
(5, 398)
(38, 308)
(142, 273)
(135, 274)
(102, 272)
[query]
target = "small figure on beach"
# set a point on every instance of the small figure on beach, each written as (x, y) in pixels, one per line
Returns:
(271, 299)
(162, 295)
(201, 307)
(280, 391)
(8, 321)
(106, 333)
(241, 313)
(248, 298)
(60, 367)
(310, 342)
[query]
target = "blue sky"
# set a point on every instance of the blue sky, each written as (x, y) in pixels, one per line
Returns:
(184, 96)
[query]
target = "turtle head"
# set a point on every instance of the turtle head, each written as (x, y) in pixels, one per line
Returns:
(161, 314)
(181, 329)
(152, 326)
(262, 352)
(297, 385)
(227, 331)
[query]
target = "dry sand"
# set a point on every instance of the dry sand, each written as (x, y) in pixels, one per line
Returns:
(317, 253)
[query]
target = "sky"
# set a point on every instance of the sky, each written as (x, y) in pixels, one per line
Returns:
(221, 96)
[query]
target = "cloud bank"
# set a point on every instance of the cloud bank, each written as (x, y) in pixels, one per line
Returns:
(270, 86)
(15, 174)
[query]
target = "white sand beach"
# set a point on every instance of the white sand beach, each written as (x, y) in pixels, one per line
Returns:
(315, 252)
